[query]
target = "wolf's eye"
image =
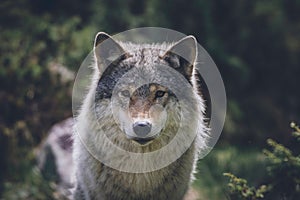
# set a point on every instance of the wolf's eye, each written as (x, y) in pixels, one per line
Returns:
(125, 93)
(159, 93)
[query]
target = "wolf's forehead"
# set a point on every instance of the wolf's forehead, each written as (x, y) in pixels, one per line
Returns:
(145, 54)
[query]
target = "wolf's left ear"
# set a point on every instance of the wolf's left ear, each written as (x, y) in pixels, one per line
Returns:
(107, 50)
(182, 56)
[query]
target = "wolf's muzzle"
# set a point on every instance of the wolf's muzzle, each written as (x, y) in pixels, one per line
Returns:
(142, 129)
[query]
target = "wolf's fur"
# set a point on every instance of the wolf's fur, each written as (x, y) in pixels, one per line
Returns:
(95, 180)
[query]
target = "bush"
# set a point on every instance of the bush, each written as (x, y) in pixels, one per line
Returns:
(239, 189)
(284, 174)
(32, 98)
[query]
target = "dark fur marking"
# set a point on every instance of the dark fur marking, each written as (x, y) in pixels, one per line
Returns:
(143, 91)
(142, 56)
(185, 67)
(109, 79)
(65, 142)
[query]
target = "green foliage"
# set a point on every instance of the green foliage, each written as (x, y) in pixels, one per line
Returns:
(31, 97)
(296, 132)
(239, 189)
(209, 180)
(284, 174)
(33, 185)
(284, 168)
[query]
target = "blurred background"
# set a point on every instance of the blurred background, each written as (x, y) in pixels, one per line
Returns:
(255, 44)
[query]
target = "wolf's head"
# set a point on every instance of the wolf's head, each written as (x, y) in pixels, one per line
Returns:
(133, 78)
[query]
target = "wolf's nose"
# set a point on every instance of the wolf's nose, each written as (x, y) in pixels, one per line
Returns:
(141, 129)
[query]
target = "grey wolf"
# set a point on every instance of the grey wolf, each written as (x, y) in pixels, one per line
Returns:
(149, 122)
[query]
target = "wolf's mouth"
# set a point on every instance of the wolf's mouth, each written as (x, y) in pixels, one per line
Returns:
(143, 141)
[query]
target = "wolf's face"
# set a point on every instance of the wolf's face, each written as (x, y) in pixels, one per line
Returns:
(142, 112)
(140, 103)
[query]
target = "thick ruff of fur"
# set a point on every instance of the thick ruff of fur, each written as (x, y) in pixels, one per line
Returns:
(95, 180)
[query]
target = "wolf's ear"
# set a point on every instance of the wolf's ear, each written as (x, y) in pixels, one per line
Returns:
(107, 50)
(182, 56)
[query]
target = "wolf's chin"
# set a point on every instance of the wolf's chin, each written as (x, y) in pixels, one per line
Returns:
(143, 141)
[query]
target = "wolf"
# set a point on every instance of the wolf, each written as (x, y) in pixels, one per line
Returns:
(142, 118)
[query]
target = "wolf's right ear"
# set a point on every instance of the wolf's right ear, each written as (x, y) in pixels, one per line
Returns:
(182, 56)
(107, 50)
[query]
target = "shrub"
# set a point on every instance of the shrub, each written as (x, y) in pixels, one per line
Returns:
(283, 168)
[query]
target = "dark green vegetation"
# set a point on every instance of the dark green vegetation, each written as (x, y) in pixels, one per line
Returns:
(255, 44)
(283, 181)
